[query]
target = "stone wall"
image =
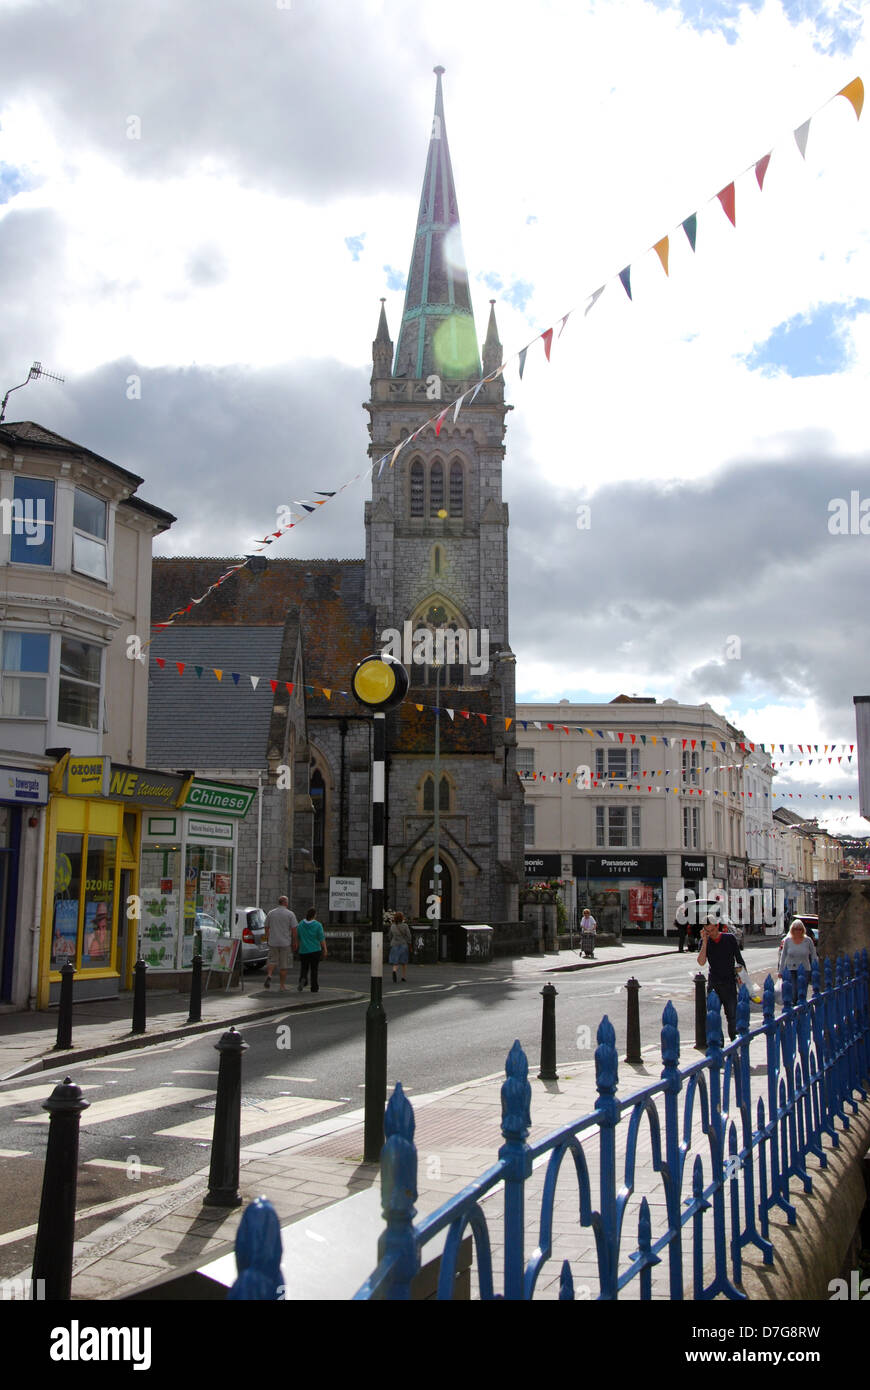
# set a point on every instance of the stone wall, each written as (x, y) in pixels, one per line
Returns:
(844, 916)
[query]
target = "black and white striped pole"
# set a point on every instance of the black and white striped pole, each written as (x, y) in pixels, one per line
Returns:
(380, 683)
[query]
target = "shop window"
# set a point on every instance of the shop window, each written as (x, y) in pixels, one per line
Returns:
(85, 905)
(32, 522)
(89, 535)
(208, 883)
(25, 675)
(78, 699)
(162, 894)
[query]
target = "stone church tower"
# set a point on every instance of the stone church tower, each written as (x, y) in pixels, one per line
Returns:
(437, 583)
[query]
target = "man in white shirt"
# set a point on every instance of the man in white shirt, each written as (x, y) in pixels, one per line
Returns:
(281, 938)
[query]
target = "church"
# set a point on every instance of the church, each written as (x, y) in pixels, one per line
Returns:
(432, 590)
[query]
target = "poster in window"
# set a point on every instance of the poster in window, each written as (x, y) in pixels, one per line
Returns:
(640, 903)
(98, 943)
(159, 928)
(63, 945)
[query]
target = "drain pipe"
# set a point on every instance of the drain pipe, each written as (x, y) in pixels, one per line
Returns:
(36, 929)
(259, 835)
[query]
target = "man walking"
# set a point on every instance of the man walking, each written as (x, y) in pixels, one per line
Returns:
(682, 928)
(281, 935)
(720, 950)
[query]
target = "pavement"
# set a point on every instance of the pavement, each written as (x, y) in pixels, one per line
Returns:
(319, 1166)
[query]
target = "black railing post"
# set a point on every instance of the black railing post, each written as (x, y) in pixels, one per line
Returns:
(55, 1234)
(139, 996)
(548, 1035)
(195, 1014)
(700, 1012)
(65, 1011)
(632, 1031)
(223, 1176)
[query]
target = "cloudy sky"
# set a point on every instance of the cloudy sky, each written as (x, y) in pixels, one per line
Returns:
(212, 198)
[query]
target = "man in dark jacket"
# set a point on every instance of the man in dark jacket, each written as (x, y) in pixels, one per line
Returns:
(720, 951)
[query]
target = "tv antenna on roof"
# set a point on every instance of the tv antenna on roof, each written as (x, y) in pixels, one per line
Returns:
(36, 371)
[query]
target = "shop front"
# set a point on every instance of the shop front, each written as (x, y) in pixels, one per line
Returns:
(188, 877)
(91, 872)
(625, 892)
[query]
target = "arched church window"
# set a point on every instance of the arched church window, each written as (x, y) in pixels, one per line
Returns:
(436, 488)
(429, 793)
(317, 792)
(457, 489)
(436, 559)
(416, 488)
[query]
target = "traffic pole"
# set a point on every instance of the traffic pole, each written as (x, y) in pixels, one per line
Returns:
(223, 1176)
(376, 1019)
(195, 1014)
(632, 1023)
(548, 1034)
(700, 1012)
(55, 1232)
(139, 996)
(65, 1011)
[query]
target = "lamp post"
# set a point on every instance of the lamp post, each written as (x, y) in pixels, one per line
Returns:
(436, 803)
(379, 683)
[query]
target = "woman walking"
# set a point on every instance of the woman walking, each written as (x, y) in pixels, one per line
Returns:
(400, 945)
(312, 941)
(797, 948)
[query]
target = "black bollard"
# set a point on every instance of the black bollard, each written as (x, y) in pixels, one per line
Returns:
(139, 996)
(64, 1016)
(223, 1175)
(55, 1234)
(700, 1012)
(195, 1014)
(632, 1032)
(548, 1035)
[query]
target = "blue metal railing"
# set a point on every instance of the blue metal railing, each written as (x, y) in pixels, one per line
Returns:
(817, 1055)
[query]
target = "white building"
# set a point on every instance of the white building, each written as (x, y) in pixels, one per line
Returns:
(632, 801)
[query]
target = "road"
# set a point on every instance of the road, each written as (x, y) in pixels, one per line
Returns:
(152, 1110)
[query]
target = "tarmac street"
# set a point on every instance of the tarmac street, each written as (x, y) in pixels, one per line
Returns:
(145, 1138)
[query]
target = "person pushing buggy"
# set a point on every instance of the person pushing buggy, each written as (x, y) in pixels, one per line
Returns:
(588, 928)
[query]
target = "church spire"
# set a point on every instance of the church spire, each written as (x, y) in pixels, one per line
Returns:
(382, 347)
(437, 333)
(492, 347)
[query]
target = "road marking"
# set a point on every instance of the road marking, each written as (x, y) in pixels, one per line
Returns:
(120, 1163)
(97, 1068)
(11, 1237)
(281, 1110)
(103, 1110)
(15, 1153)
(193, 1071)
(23, 1095)
(289, 1078)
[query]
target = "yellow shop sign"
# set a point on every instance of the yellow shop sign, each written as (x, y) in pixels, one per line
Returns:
(87, 776)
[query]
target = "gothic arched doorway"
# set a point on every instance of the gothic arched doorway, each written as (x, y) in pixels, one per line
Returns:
(426, 879)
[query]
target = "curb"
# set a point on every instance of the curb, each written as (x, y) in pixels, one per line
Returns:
(53, 1060)
(593, 964)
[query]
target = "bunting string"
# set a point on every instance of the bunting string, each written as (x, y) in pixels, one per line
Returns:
(726, 197)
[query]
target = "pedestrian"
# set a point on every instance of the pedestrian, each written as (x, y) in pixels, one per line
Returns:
(588, 928)
(682, 928)
(400, 945)
(312, 942)
(281, 929)
(796, 948)
(720, 951)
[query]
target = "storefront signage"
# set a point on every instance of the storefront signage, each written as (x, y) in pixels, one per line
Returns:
(344, 894)
(619, 865)
(18, 785)
(87, 776)
(720, 867)
(162, 825)
(693, 868)
(137, 786)
(209, 830)
(543, 865)
(220, 797)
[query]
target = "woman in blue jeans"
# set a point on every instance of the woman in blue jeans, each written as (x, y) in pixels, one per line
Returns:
(311, 943)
